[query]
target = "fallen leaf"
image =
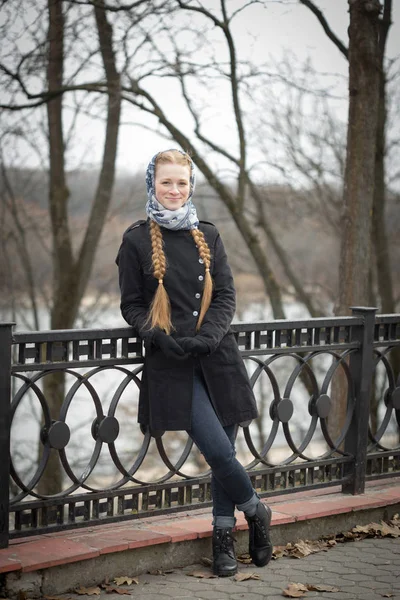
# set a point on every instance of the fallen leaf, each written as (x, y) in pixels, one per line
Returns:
(295, 590)
(300, 550)
(245, 559)
(113, 589)
(202, 575)
(279, 551)
(123, 579)
(91, 591)
(361, 529)
(387, 530)
(387, 595)
(321, 588)
(245, 576)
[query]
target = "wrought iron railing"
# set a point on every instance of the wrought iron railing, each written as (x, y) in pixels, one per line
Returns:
(297, 369)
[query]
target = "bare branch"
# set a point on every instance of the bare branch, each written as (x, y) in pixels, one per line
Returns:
(108, 7)
(332, 36)
(241, 8)
(201, 10)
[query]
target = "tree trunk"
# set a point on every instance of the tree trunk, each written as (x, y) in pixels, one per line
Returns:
(70, 276)
(361, 148)
(53, 384)
(359, 173)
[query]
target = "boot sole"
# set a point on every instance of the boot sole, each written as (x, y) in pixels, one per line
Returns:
(221, 573)
(264, 562)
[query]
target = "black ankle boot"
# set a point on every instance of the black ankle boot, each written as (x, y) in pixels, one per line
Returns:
(260, 547)
(224, 558)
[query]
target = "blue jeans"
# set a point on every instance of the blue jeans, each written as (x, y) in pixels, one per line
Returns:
(230, 483)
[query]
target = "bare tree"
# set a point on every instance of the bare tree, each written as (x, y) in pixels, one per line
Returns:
(378, 62)
(241, 197)
(70, 273)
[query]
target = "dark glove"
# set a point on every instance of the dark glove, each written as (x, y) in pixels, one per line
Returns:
(168, 346)
(193, 345)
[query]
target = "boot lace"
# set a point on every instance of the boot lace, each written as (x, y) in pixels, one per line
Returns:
(226, 543)
(261, 527)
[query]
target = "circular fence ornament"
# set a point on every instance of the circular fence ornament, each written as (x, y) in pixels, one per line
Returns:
(323, 406)
(56, 436)
(105, 429)
(282, 409)
(396, 398)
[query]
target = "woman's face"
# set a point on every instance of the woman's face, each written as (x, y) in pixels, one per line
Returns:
(172, 185)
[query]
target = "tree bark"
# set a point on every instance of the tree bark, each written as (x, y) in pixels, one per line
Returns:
(53, 384)
(358, 190)
(382, 255)
(70, 275)
(361, 148)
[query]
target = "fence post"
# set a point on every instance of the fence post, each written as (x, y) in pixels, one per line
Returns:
(361, 368)
(5, 398)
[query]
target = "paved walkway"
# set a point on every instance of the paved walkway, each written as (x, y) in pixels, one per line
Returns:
(360, 570)
(53, 563)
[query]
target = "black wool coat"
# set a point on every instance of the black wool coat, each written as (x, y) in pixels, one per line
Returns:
(167, 384)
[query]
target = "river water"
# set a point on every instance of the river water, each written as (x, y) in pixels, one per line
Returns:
(25, 430)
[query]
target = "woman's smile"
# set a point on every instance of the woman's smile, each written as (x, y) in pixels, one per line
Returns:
(172, 185)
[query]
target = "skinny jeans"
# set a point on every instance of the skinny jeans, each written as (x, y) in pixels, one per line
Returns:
(230, 483)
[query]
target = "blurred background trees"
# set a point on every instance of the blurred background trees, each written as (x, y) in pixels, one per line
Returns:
(300, 176)
(266, 135)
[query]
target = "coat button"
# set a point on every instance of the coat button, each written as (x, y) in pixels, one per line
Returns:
(201, 261)
(200, 277)
(197, 295)
(195, 313)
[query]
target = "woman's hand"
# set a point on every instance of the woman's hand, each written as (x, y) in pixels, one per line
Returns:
(193, 345)
(168, 346)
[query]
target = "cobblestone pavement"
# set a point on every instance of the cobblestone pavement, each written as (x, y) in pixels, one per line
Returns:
(361, 570)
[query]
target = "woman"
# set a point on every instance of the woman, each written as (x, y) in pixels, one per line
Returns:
(177, 292)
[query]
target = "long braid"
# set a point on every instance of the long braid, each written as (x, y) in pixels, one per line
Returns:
(205, 254)
(160, 309)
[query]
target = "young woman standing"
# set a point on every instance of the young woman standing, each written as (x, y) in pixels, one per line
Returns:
(177, 292)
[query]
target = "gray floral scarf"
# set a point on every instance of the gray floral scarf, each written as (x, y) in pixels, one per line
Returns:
(184, 217)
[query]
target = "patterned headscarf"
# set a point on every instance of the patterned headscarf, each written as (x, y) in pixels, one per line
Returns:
(184, 217)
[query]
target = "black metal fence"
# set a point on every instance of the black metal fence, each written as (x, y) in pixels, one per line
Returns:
(293, 367)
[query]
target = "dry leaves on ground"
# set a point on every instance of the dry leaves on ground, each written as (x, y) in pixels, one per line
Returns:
(304, 548)
(113, 589)
(202, 575)
(299, 590)
(301, 548)
(128, 580)
(88, 591)
(245, 559)
(295, 590)
(245, 576)
(320, 587)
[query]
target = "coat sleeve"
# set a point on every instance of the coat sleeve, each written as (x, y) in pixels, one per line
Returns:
(219, 316)
(133, 306)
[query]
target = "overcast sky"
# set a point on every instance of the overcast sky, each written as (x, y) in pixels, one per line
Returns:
(264, 33)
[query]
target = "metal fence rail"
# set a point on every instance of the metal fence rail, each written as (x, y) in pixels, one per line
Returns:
(292, 367)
